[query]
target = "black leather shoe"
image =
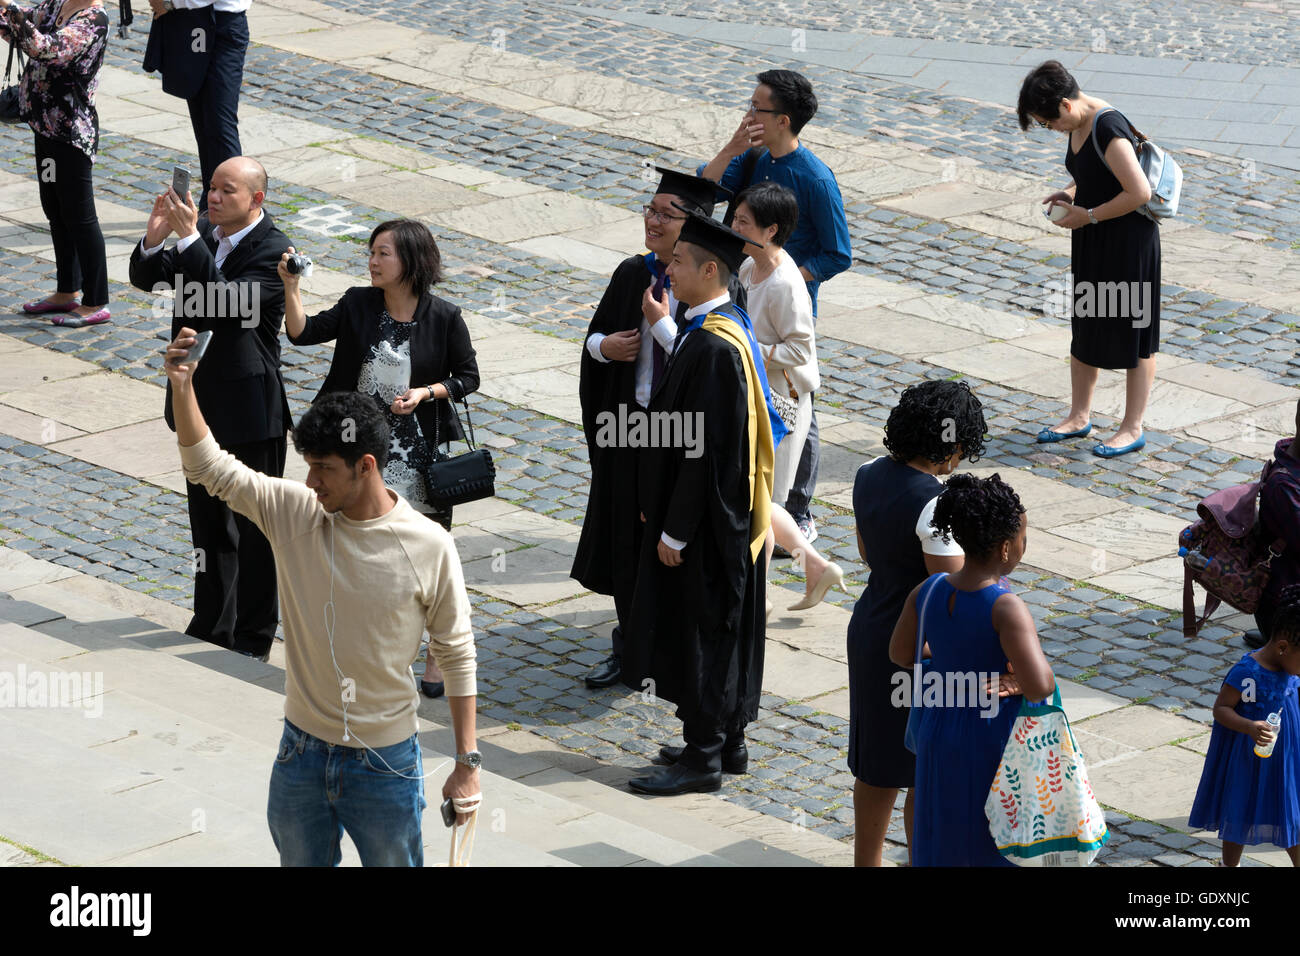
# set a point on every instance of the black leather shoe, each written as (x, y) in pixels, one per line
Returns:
(266, 658)
(733, 761)
(668, 781)
(606, 673)
(1253, 639)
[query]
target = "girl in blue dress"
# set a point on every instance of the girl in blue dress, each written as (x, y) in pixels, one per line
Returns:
(978, 637)
(1246, 798)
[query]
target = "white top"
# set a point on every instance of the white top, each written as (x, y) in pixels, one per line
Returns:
(221, 6)
(932, 542)
(781, 311)
(664, 332)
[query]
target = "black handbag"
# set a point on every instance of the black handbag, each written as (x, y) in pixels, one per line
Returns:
(10, 112)
(456, 479)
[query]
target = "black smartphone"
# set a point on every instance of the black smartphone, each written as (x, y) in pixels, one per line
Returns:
(200, 346)
(180, 181)
(448, 813)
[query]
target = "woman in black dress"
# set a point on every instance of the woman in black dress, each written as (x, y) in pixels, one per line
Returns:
(1115, 252)
(406, 348)
(933, 427)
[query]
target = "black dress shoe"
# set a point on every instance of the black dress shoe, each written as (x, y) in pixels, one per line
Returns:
(1253, 639)
(733, 761)
(264, 658)
(668, 781)
(606, 673)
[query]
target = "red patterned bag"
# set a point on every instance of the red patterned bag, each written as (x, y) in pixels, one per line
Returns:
(1226, 554)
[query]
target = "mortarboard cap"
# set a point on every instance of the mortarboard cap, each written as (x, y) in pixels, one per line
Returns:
(723, 241)
(692, 190)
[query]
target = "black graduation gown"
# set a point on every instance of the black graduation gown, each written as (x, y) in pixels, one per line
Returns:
(697, 631)
(605, 561)
(606, 558)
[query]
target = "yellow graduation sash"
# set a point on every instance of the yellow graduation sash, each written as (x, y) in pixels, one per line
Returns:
(761, 451)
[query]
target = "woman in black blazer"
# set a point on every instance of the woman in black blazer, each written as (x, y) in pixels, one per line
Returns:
(403, 346)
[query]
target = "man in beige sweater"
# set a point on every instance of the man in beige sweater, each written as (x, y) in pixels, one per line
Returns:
(361, 575)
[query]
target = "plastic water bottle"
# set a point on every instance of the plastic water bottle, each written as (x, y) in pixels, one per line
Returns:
(1274, 722)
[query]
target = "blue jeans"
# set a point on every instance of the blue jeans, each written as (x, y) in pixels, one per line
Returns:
(320, 789)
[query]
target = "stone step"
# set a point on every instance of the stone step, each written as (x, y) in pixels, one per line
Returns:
(172, 762)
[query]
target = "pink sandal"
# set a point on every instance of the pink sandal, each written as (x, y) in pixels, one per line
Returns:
(75, 321)
(45, 305)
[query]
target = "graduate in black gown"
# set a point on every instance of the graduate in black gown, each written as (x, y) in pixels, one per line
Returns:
(621, 359)
(696, 629)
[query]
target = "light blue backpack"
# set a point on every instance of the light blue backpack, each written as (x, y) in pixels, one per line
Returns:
(1162, 172)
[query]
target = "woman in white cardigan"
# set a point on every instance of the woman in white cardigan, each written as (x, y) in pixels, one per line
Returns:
(781, 311)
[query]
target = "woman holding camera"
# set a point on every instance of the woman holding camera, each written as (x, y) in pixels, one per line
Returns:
(403, 346)
(64, 42)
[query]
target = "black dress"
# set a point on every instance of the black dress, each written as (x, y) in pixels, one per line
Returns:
(888, 498)
(1116, 315)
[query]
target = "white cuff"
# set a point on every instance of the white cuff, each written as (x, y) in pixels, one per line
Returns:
(665, 332)
(593, 347)
(672, 542)
(151, 252)
(188, 241)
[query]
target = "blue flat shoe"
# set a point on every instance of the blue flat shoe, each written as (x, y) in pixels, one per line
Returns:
(1101, 451)
(1047, 435)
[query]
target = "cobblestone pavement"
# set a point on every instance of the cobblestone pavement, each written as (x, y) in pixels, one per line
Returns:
(135, 533)
(1204, 30)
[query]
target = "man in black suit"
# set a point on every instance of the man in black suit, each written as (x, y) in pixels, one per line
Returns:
(223, 269)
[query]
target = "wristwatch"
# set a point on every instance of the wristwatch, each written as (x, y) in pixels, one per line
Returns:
(473, 759)
(1091, 218)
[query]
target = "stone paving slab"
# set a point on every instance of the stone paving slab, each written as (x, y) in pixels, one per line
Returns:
(91, 402)
(143, 450)
(1153, 582)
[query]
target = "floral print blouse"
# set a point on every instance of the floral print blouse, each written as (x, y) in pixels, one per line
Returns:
(57, 92)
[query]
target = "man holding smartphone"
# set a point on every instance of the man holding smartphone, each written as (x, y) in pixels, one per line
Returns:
(364, 574)
(224, 271)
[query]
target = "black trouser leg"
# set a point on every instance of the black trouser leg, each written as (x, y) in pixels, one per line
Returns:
(214, 109)
(67, 191)
(257, 605)
(235, 599)
(704, 745)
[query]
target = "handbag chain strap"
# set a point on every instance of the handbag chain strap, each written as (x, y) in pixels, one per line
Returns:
(467, 426)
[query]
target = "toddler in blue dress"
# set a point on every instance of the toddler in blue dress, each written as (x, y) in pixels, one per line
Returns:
(1250, 799)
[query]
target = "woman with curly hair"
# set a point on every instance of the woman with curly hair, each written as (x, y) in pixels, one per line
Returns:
(934, 426)
(980, 645)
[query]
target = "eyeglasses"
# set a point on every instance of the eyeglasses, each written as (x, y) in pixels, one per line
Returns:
(1045, 124)
(650, 212)
(755, 108)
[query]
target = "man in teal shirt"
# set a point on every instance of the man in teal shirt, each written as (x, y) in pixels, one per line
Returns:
(767, 142)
